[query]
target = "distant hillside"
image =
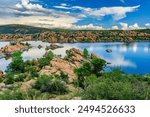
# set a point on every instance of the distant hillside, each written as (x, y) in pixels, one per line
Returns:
(24, 29)
(22, 32)
(21, 29)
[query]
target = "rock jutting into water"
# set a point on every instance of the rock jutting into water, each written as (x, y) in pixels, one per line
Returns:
(74, 59)
(109, 50)
(54, 46)
(13, 47)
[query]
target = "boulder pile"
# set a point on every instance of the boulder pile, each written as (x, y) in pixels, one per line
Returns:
(74, 60)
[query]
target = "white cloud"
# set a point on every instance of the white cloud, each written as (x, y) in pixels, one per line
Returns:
(134, 26)
(147, 24)
(27, 5)
(124, 26)
(119, 60)
(50, 22)
(64, 4)
(123, 1)
(115, 27)
(116, 12)
(27, 13)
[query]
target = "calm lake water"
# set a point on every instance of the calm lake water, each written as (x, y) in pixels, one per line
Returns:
(132, 58)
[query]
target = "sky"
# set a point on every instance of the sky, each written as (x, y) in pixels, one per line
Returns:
(77, 14)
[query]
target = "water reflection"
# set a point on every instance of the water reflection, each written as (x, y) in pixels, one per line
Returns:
(131, 57)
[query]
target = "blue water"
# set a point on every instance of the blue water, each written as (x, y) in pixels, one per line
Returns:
(132, 58)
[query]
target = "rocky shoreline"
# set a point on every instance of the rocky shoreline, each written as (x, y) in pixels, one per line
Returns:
(74, 59)
(8, 50)
(81, 36)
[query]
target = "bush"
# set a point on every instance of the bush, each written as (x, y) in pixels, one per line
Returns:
(1, 80)
(116, 85)
(43, 62)
(49, 55)
(85, 53)
(20, 77)
(97, 65)
(50, 84)
(46, 59)
(12, 95)
(17, 64)
(9, 78)
(64, 77)
(82, 73)
(109, 90)
(32, 71)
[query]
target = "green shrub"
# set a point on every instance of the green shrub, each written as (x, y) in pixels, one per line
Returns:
(82, 73)
(116, 85)
(49, 55)
(92, 79)
(32, 71)
(109, 90)
(17, 64)
(97, 65)
(64, 77)
(1, 79)
(12, 95)
(43, 62)
(85, 53)
(20, 77)
(50, 84)
(46, 59)
(9, 78)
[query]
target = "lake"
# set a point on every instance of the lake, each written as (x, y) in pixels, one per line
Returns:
(130, 57)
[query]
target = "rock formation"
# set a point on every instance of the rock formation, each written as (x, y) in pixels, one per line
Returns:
(74, 60)
(12, 48)
(2, 74)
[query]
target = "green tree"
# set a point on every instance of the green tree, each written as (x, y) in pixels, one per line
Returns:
(97, 65)
(17, 64)
(82, 73)
(85, 53)
(46, 59)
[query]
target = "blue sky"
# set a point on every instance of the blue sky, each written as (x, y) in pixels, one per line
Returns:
(77, 14)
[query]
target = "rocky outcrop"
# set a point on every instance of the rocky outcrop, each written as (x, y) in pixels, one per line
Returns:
(74, 60)
(13, 48)
(26, 86)
(53, 36)
(2, 74)
(75, 56)
(59, 65)
(93, 55)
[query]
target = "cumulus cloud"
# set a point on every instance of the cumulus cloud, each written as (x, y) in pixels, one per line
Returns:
(119, 60)
(27, 13)
(50, 22)
(134, 26)
(27, 5)
(124, 26)
(115, 27)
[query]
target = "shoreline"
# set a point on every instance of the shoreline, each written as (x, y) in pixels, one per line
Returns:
(82, 42)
